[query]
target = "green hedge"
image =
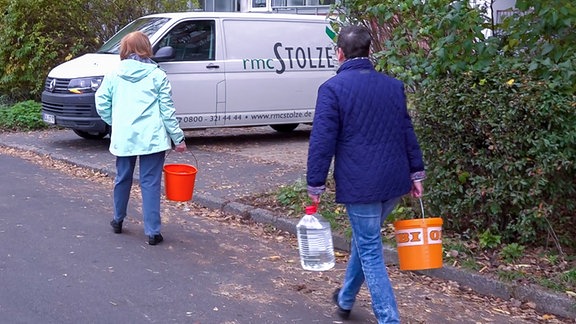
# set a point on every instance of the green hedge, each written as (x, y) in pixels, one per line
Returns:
(37, 35)
(501, 151)
(22, 116)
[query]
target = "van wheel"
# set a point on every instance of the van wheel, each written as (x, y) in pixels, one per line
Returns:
(90, 135)
(284, 128)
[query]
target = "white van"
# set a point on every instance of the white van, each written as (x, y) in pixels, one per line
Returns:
(226, 70)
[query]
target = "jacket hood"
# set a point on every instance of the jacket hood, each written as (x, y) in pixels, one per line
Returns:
(134, 71)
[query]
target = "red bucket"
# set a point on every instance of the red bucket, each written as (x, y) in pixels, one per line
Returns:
(179, 181)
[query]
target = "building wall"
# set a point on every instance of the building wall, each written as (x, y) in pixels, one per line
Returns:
(497, 7)
(220, 5)
(294, 6)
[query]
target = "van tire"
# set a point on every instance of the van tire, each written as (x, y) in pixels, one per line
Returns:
(284, 128)
(90, 135)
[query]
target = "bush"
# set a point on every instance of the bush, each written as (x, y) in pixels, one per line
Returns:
(22, 116)
(500, 149)
(37, 35)
(495, 115)
(416, 41)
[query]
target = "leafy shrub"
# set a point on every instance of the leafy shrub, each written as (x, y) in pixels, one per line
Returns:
(512, 252)
(500, 149)
(495, 115)
(541, 35)
(293, 196)
(417, 41)
(22, 116)
(37, 35)
(488, 240)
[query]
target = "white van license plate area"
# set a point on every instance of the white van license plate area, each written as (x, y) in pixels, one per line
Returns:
(47, 118)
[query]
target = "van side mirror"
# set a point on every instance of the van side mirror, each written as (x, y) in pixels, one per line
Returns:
(164, 54)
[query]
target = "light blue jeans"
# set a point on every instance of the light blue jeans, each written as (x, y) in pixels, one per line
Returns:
(150, 182)
(367, 260)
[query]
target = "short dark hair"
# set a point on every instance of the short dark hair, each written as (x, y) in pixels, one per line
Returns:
(354, 41)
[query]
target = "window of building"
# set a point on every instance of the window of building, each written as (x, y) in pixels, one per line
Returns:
(258, 3)
(222, 5)
(288, 3)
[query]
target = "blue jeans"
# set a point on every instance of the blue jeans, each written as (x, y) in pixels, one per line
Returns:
(150, 183)
(367, 260)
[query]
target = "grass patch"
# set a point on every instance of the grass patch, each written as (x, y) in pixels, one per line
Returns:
(510, 276)
(22, 116)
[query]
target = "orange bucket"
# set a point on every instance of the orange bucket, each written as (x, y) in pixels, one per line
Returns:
(419, 243)
(179, 181)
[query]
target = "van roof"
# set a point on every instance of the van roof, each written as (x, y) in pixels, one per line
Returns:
(250, 15)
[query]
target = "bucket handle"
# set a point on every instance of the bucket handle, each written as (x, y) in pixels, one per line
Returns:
(421, 206)
(190, 151)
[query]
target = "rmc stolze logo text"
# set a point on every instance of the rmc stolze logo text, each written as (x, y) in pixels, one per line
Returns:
(293, 58)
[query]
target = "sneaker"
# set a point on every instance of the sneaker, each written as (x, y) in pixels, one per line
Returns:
(116, 226)
(341, 312)
(155, 239)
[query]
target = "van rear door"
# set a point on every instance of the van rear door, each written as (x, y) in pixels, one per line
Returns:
(196, 72)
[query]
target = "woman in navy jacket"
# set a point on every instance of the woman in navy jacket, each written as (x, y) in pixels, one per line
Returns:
(362, 121)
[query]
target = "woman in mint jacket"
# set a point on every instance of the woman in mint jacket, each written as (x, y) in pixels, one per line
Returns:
(135, 100)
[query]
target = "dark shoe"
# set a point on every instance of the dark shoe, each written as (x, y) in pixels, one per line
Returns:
(117, 226)
(342, 313)
(155, 239)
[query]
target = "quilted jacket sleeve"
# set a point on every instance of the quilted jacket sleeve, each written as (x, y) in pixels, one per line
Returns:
(323, 136)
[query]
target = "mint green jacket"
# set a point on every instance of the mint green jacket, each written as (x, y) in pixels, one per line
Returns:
(136, 101)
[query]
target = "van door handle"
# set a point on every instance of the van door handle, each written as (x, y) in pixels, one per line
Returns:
(212, 66)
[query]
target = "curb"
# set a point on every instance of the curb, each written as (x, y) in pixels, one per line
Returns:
(545, 301)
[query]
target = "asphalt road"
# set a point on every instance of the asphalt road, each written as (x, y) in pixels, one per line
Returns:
(61, 263)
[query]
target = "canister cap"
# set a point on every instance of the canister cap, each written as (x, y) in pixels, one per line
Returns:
(310, 210)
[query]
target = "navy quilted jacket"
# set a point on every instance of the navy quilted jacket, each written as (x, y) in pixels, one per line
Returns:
(362, 121)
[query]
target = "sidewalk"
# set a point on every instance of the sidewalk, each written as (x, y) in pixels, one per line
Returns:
(223, 177)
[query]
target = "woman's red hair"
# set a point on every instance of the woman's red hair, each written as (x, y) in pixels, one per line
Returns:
(135, 42)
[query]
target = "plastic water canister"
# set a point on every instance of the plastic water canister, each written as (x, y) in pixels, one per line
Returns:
(315, 241)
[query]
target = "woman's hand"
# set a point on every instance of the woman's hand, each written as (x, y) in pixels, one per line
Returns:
(180, 147)
(417, 189)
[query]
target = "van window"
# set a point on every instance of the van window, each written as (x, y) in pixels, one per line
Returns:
(192, 40)
(148, 26)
